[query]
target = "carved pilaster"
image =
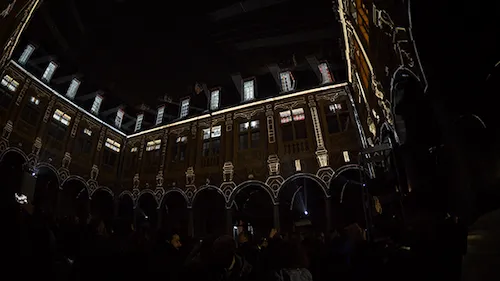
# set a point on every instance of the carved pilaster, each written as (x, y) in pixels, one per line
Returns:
(228, 171)
(136, 181)
(48, 111)
(322, 157)
(7, 130)
(164, 144)
(75, 124)
(101, 139)
(273, 163)
(21, 93)
(94, 173)
(270, 124)
(37, 146)
(141, 149)
(159, 179)
(190, 176)
(229, 122)
(66, 160)
(194, 129)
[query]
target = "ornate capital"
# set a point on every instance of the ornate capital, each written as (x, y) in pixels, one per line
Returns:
(136, 181)
(159, 179)
(274, 164)
(37, 145)
(48, 111)
(94, 173)
(7, 130)
(66, 160)
(228, 171)
(190, 176)
(229, 122)
(75, 124)
(322, 157)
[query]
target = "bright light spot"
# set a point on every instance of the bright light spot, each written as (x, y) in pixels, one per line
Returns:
(306, 213)
(235, 227)
(146, 217)
(33, 174)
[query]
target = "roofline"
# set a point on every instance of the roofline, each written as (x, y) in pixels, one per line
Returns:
(196, 118)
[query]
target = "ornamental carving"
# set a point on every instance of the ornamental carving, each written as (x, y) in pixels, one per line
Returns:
(249, 113)
(21, 93)
(217, 120)
(229, 122)
(180, 130)
(48, 111)
(227, 171)
(331, 97)
(7, 130)
(291, 104)
(75, 124)
(190, 176)
(101, 139)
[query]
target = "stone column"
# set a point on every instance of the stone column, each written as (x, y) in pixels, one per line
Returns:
(328, 215)
(272, 147)
(276, 216)
(229, 221)
(190, 222)
(321, 152)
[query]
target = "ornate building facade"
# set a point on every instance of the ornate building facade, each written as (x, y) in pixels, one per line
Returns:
(283, 142)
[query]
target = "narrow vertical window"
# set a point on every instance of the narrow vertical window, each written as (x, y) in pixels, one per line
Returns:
(287, 81)
(49, 71)
(9, 83)
(96, 105)
(159, 115)
(119, 118)
(138, 122)
(347, 159)
(214, 99)
(73, 88)
(326, 76)
(25, 56)
(298, 166)
(184, 108)
(248, 90)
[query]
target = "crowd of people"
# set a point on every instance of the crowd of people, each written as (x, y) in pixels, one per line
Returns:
(72, 249)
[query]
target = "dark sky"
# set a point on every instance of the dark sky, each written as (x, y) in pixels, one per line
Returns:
(137, 51)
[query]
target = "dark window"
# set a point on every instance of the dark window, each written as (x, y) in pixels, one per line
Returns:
(179, 149)
(249, 134)
(57, 131)
(5, 99)
(30, 114)
(337, 116)
(109, 157)
(293, 126)
(84, 144)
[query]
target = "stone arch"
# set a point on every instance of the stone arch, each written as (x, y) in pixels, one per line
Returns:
(126, 193)
(312, 177)
(245, 184)
(344, 168)
(143, 192)
(106, 189)
(207, 187)
(14, 150)
(74, 178)
(50, 167)
(401, 70)
(174, 190)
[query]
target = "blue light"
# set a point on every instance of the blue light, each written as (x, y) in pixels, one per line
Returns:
(306, 212)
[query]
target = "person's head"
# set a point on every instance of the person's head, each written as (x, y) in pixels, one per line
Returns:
(224, 249)
(175, 240)
(264, 243)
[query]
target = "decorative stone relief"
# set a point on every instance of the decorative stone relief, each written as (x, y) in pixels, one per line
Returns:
(291, 104)
(229, 122)
(249, 113)
(194, 129)
(48, 111)
(331, 97)
(135, 193)
(270, 124)
(141, 149)
(179, 130)
(21, 93)
(227, 171)
(136, 181)
(37, 146)
(190, 176)
(325, 174)
(66, 160)
(217, 120)
(386, 110)
(322, 157)
(164, 144)
(94, 172)
(7, 130)
(274, 164)
(75, 124)
(159, 179)
(101, 139)
(159, 193)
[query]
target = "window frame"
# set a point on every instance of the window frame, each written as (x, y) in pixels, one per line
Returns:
(293, 121)
(254, 86)
(209, 141)
(9, 83)
(248, 132)
(183, 114)
(49, 71)
(216, 106)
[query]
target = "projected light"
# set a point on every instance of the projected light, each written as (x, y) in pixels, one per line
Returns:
(306, 212)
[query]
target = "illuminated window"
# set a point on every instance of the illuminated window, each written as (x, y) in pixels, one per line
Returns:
(49, 71)
(287, 81)
(296, 129)
(249, 135)
(96, 105)
(62, 117)
(214, 99)
(334, 107)
(34, 101)
(9, 83)
(211, 141)
(119, 118)
(326, 76)
(347, 159)
(25, 56)
(159, 115)
(153, 145)
(73, 88)
(138, 122)
(113, 145)
(181, 139)
(133, 149)
(87, 132)
(248, 90)
(184, 108)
